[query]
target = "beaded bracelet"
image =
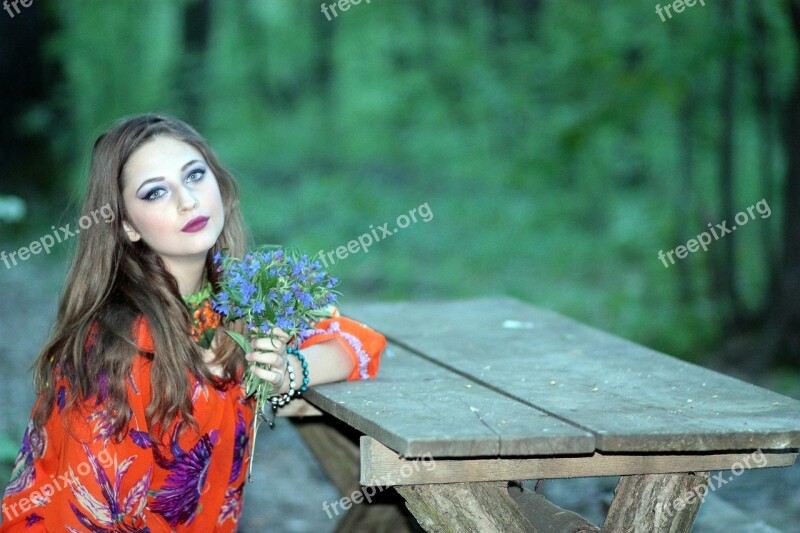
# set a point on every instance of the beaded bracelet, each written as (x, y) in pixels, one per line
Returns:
(284, 398)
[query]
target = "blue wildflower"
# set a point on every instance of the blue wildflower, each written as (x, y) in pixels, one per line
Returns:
(284, 323)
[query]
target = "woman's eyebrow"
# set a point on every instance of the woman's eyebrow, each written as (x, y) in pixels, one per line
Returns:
(148, 180)
(161, 178)
(192, 162)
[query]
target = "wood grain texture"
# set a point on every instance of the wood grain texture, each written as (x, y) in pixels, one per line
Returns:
(546, 516)
(656, 502)
(382, 466)
(631, 398)
(465, 507)
(417, 407)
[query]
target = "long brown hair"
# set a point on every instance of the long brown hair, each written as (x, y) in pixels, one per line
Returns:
(112, 281)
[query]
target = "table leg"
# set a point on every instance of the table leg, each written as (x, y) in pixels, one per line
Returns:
(454, 507)
(335, 445)
(656, 502)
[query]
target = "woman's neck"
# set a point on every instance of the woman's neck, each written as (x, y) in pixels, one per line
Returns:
(190, 274)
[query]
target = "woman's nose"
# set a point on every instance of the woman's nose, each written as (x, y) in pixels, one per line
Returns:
(187, 200)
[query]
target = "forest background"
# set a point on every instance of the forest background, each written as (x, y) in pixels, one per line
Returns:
(560, 146)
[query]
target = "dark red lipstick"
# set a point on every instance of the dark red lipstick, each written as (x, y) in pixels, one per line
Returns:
(195, 225)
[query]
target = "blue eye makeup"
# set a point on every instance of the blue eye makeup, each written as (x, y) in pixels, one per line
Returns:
(154, 193)
(193, 176)
(196, 174)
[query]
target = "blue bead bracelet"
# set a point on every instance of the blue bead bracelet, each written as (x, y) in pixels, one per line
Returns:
(283, 399)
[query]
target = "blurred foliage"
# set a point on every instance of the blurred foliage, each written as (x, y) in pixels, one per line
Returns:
(544, 135)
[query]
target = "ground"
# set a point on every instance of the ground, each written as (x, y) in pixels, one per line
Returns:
(289, 489)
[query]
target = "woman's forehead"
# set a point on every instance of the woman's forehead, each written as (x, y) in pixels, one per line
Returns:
(159, 156)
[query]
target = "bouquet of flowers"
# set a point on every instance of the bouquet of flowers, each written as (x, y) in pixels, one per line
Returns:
(271, 288)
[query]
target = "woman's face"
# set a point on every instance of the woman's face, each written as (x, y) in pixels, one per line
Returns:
(172, 200)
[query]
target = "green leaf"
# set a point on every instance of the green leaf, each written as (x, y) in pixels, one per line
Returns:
(241, 340)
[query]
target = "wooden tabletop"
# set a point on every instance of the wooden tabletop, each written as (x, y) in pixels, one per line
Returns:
(494, 377)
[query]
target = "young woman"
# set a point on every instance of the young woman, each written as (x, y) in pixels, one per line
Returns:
(141, 423)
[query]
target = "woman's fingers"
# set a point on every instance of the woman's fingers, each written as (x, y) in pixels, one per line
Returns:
(270, 351)
(279, 333)
(274, 359)
(276, 378)
(277, 366)
(277, 343)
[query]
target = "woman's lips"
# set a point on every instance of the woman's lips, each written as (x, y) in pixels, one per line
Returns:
(195, 225)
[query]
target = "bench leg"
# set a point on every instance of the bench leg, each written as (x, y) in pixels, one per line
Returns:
(454, 507)
(335, 446)
(656, 502)
(546, 516)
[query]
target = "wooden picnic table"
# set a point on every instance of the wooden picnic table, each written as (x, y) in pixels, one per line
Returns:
(472, 394)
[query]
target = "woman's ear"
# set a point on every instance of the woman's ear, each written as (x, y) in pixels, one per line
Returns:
(133, 235)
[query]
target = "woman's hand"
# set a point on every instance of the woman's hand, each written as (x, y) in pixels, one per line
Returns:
(271, 351)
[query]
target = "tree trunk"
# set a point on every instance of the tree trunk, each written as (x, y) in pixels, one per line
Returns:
(726, 268)
(196, 28)
(764, 101)
(783, 333)
(685, 200)
(27, 81)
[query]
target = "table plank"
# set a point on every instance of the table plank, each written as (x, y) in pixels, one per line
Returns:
(633, 399)
(416, 407)
(382, 466)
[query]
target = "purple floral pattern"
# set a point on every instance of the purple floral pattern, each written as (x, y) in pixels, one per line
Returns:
(111, 514)
(231, 509)
(177, 501)
(239, 447)
(23, 475)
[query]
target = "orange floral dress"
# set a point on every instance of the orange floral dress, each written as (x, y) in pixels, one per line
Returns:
(193, 481)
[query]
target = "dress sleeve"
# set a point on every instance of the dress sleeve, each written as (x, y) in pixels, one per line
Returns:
(364, 344)
(75, 476)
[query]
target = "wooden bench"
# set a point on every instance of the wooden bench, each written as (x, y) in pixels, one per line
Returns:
(473, 394)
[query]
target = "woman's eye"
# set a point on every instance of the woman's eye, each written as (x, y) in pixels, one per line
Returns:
(155, 193)
(196, 175)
